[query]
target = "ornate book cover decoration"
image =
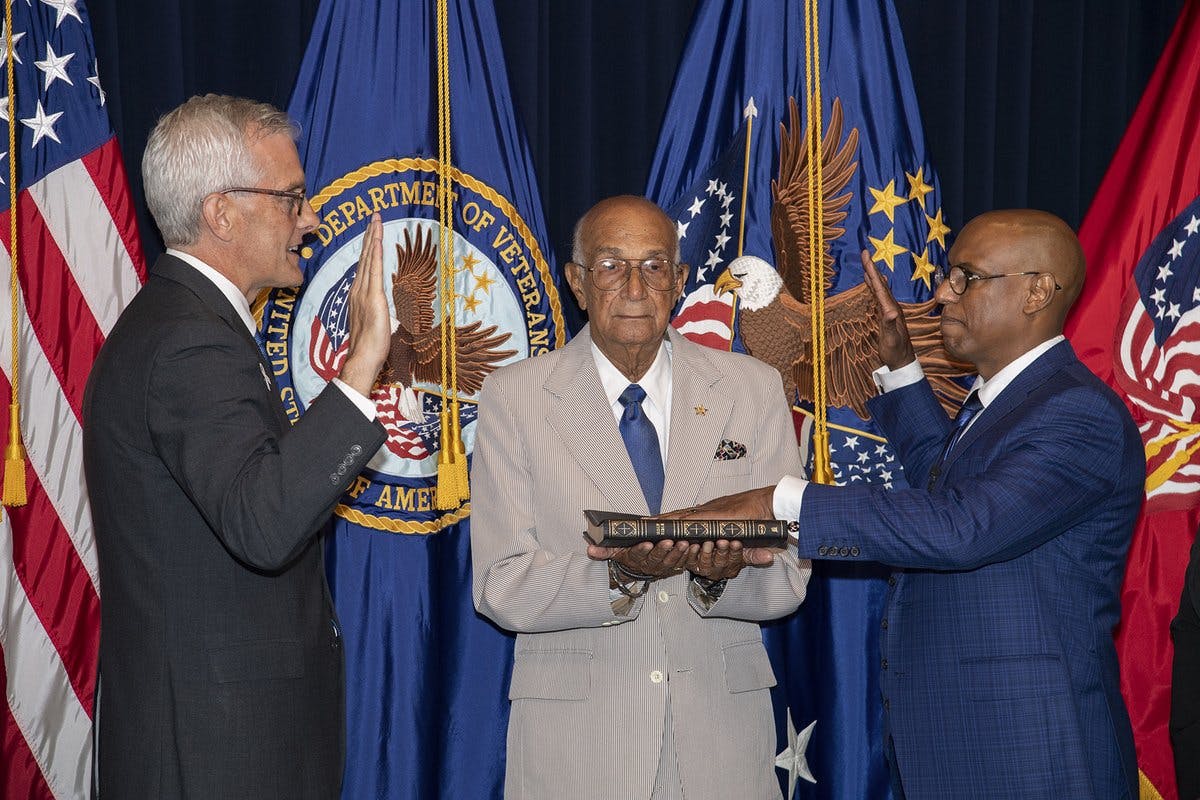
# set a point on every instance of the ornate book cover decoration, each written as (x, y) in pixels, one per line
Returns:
(609, 529)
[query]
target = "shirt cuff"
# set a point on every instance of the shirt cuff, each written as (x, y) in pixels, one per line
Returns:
(363, 404)
(788, 496)
(890, 379)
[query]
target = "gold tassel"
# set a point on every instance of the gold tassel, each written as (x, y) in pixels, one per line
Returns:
(447, 491)
(14, 460)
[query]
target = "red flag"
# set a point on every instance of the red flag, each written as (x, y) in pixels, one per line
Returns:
(78, 262)
(1137, 326)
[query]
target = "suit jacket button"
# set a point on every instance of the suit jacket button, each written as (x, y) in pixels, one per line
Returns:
(845, 551)
(883, 623)
(822, 550)
(854, 551)
(891, 580)
(883, 664)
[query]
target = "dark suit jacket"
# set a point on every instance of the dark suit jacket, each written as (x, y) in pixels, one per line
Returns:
(221, 662)
(998, 669)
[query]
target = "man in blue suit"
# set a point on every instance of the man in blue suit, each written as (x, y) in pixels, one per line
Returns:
(998, 670)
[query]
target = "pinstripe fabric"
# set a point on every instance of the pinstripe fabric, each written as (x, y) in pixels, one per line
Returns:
(999, 672)
(588, 707)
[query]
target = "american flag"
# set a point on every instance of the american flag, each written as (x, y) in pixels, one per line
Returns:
(1159, 359)
(79, 263)
(331, 329)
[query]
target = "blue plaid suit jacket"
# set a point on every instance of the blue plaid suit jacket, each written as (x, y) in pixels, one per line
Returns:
(999, 673)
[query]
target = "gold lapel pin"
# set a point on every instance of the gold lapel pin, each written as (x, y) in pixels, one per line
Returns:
(701, 411)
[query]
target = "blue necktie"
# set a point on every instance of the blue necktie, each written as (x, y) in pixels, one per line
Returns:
(970, 407)
(641, 440)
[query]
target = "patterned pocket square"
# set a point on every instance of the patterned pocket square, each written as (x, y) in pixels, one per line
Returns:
(729, 450)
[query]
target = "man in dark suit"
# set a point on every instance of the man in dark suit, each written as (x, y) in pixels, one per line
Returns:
(221, 661)
(998, 669)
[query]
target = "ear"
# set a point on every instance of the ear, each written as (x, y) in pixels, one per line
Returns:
(682, 279)
(218, 214)
(1041, 293)
(575, 281)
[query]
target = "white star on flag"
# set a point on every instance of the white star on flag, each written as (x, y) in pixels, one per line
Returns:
(851, 442)
(792, 760)
(1164, 272)
(66, 8)
(712, 186)
(1176, 249)
(1191, 227)
(682, 227)
(4, 43)
(55, 66)
(4, 108)
(697, 204)
(726, 219)
(721, 240)
(42, 124)
(714, 258)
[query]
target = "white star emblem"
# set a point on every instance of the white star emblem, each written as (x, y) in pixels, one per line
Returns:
(851, 442)
(697, 204)
(885, 474)
(880, 449)
(1191, 227)
(94, 80)
(4, 108)
(42, 124)
(722, 189)
(55, 66)
(681, 228)
(721, 240)
(726, 219)
(1173, 312)
(4, 43)
(1159, 313)
(1160, 293)
(1164, 272)
(863, 456)
(1176, 249)
(1196, 295)
(66, 8)
(712, 186)
(726, 201)
(714, 259)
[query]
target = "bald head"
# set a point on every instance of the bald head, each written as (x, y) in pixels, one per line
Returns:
(620, 206)
(1039, 241)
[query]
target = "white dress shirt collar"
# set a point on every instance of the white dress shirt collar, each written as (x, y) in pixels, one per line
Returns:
(236, 299)
(990, 389)
(656, 382)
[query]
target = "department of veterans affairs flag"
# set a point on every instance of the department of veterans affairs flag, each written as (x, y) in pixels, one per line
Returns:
(745, 60)
(79, 263)
(1136, 326)
(427, 678)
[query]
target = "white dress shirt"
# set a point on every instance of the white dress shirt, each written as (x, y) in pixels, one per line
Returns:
(242, 306)
(657, 384)
(789, 493)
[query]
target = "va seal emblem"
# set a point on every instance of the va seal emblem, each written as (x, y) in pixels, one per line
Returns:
(505, 308)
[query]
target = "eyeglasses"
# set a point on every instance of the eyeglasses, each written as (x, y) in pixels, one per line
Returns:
(610, 274)
(297, 197)
(959, 278)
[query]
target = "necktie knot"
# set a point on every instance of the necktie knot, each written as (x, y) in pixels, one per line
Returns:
(633, 394)
(970, 407)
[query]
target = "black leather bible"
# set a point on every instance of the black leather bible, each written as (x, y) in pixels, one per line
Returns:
(609, 529)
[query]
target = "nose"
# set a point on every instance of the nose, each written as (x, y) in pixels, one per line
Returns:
(636, 286)
(945, 294)
(308, 219)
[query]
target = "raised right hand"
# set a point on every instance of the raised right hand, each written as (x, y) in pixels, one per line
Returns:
(895, 346)
(370, 334)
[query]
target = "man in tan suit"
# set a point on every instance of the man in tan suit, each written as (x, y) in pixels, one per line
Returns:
(638, 673)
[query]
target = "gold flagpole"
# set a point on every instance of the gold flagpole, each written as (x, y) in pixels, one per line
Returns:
(14, 453)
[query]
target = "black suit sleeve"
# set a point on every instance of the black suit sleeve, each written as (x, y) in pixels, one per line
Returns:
(213, 419)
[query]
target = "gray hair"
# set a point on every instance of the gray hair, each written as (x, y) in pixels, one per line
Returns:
(199, 148)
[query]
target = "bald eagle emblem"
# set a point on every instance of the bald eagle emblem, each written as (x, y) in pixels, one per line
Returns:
(775, 310)
(416, 347)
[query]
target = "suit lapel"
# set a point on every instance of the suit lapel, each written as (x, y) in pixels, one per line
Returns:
(173, 269)
(1014, 395)
(579, 413)
(699, 416)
